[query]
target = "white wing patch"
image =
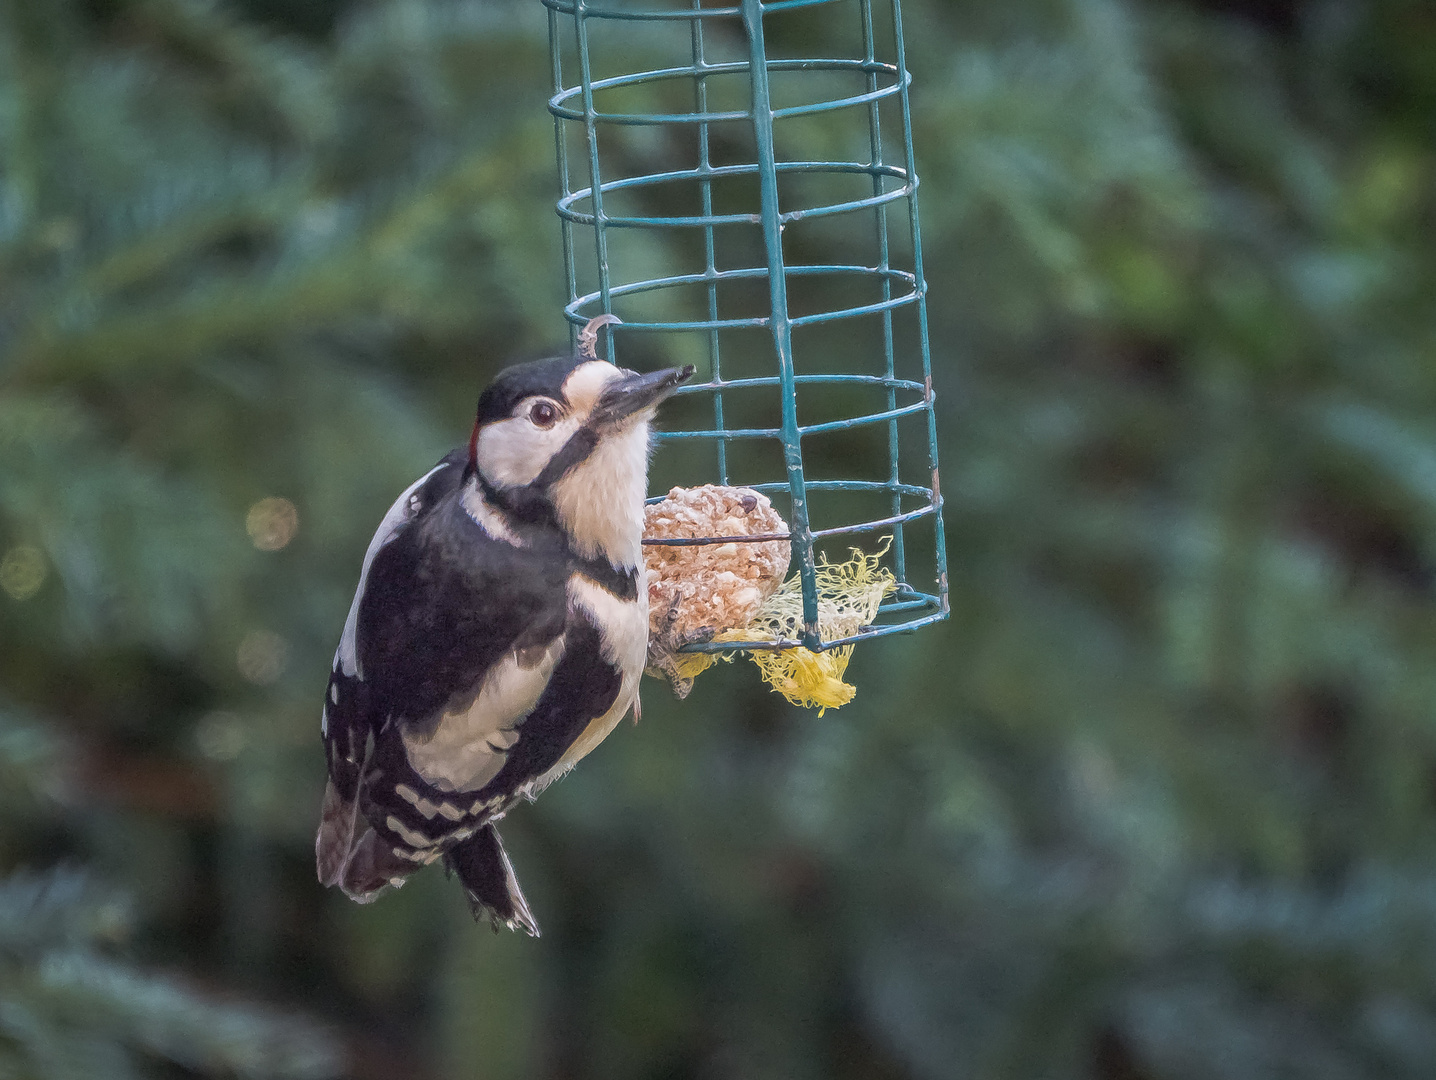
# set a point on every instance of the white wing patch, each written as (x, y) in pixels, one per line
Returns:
(467, 749)
(404, 508)
(512, 452)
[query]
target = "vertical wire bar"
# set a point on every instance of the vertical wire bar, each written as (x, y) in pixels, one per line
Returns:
(560, 133)
(921, 284)
(705, 186)
(600, 231)
(875, 151)
(762, 113)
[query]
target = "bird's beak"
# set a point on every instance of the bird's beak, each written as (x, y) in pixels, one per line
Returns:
(633, 392)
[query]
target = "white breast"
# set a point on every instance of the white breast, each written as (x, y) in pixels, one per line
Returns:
(468, 748)
(600, 500)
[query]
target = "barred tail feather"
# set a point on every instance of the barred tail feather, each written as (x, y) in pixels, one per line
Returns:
(489, 883)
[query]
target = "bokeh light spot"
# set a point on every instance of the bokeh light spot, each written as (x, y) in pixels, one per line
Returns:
(220, 736)
(22, 571)
(272, 523)
(262, 657)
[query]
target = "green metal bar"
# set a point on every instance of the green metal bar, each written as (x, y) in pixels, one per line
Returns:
(705, 190)
(847, 485)
(762, 113)
(875, 158)
(867, 634)
(557, 102)
(567, 204)
(560, 134)
(838, 485)
(921, 282)
(893, 522)
(846, 424)
(600, 235)
(575, 314)
(773, 380)
(657, 15)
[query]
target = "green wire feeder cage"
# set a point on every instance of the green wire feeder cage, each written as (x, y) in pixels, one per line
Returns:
(740, 204)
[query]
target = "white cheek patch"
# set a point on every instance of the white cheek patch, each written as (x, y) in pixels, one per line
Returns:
(468, 748)
(512, 452)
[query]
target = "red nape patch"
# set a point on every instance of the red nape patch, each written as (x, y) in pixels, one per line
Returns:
(474, 448)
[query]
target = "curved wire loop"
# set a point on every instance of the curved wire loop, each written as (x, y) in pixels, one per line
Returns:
(588, 336)
(684, 111)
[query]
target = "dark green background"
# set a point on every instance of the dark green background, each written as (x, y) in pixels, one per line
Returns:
(1156, 803)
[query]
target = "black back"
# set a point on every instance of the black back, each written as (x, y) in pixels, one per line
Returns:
(444, 603)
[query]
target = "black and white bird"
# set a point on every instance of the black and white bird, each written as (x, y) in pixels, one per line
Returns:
(497, 635)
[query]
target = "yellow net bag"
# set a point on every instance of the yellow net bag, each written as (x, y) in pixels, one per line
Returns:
(849, 594)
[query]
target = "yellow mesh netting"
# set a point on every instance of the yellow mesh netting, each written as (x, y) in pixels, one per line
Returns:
(849, 594)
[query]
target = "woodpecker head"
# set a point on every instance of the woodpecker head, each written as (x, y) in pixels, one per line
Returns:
(569, 438)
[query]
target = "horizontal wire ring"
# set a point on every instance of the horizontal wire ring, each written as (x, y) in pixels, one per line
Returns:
(567, 205)
(575, 313)
(559, 108)
(569, 7)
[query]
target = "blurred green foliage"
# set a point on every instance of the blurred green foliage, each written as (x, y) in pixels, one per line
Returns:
(1156, 804)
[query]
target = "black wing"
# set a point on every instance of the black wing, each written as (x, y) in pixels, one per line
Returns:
(345, 721)
(443, 777)
(463, 677)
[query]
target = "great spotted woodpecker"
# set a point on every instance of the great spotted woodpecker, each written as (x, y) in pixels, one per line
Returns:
(497, 635)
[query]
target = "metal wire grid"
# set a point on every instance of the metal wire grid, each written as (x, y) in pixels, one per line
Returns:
(583, 207)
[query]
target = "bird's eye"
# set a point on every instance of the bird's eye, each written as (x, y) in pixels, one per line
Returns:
(543, 414)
